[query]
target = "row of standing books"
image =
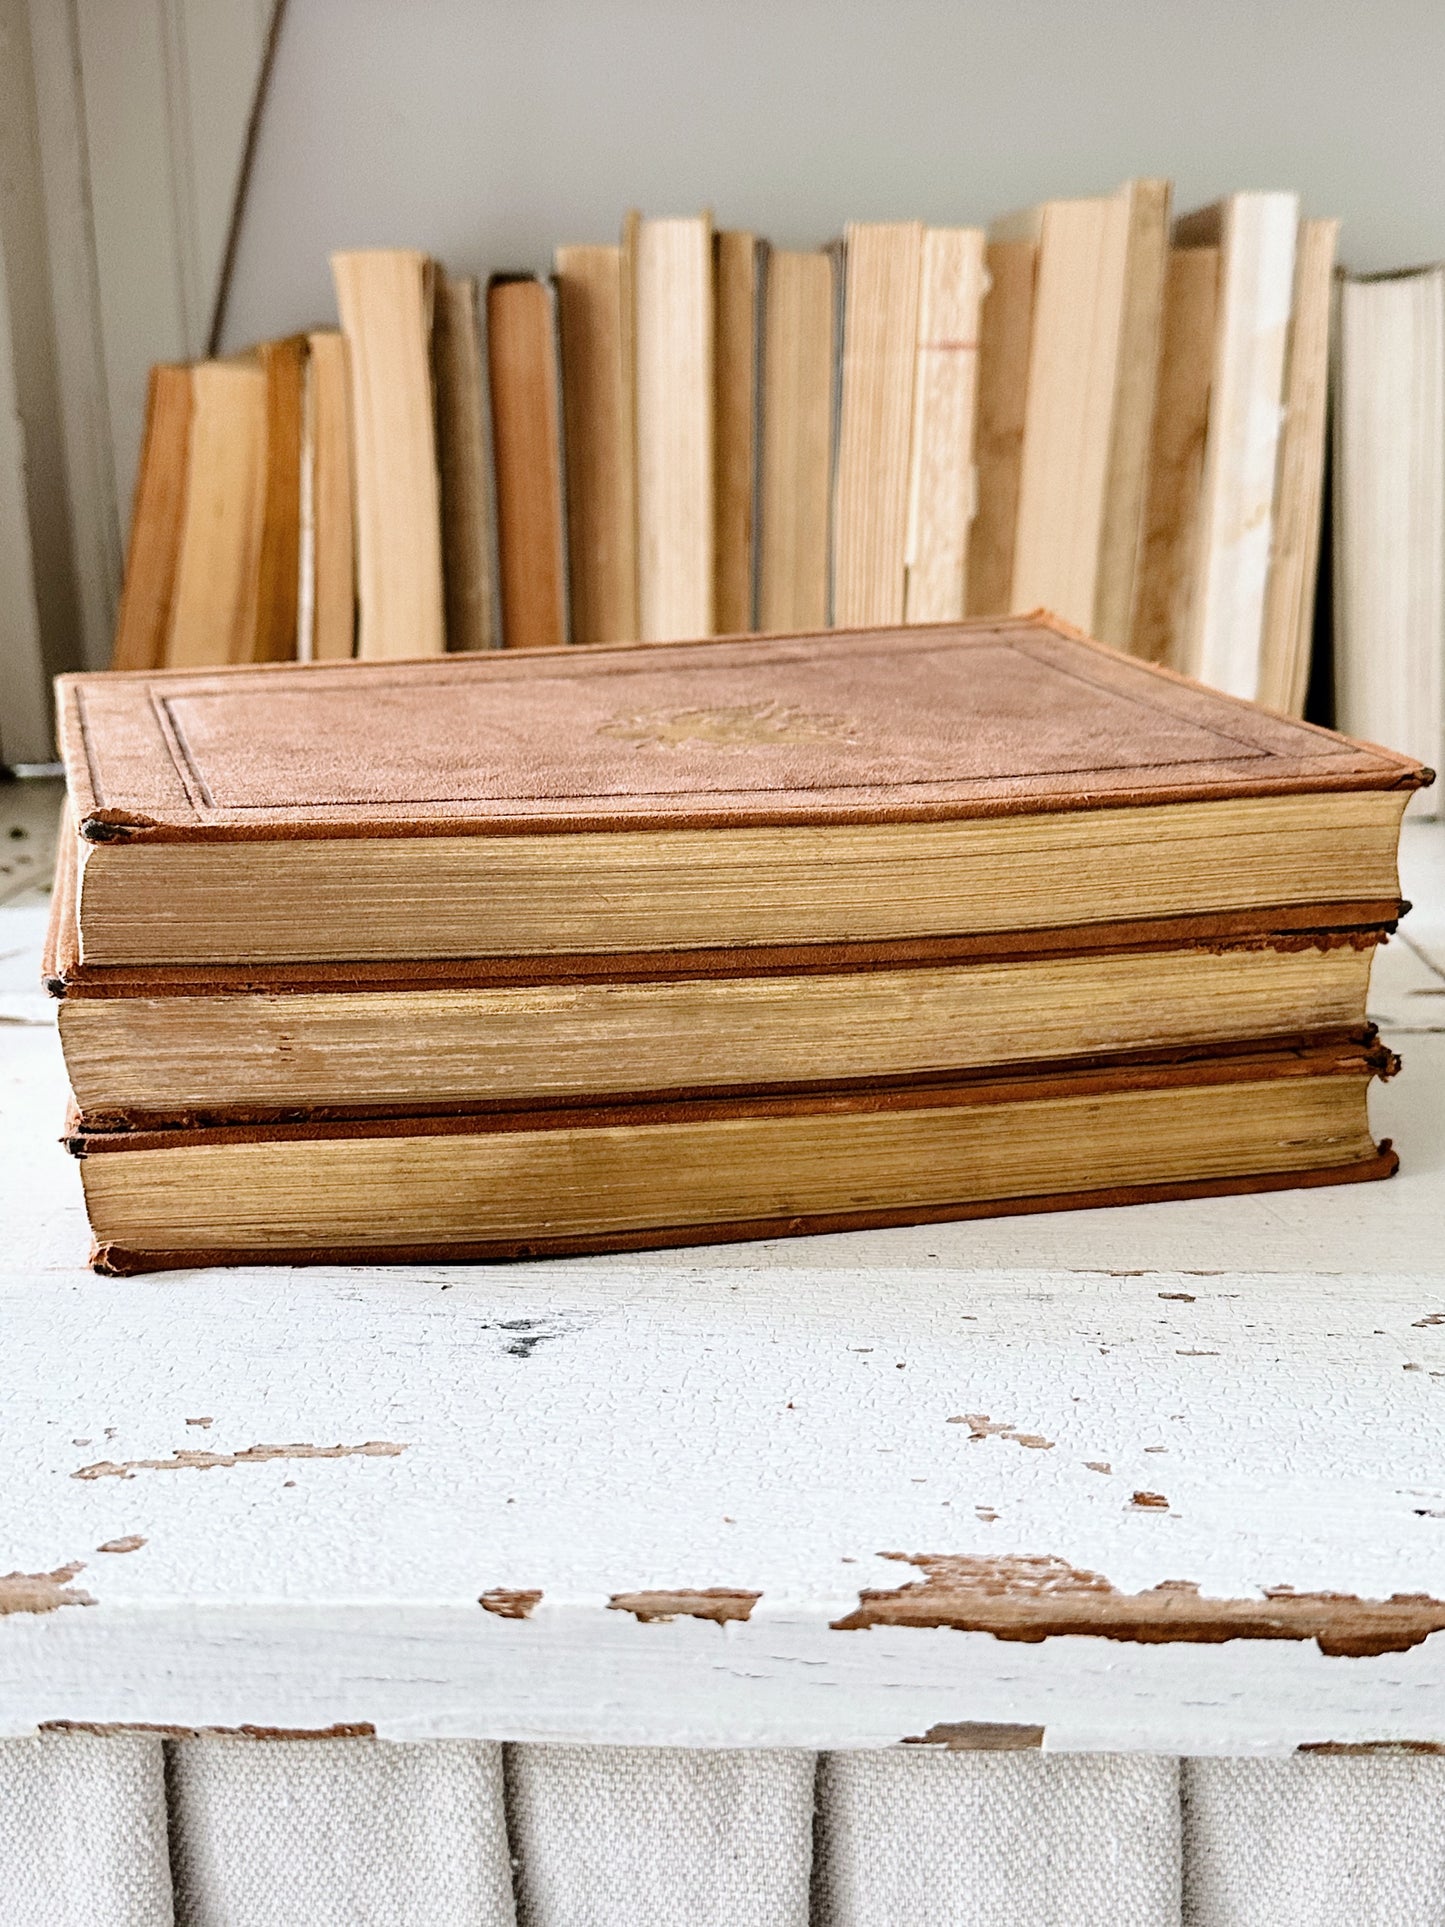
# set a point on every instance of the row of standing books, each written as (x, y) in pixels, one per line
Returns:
(1092, 407)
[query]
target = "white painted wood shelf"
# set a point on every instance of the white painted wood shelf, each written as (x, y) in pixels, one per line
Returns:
(1170, 1478)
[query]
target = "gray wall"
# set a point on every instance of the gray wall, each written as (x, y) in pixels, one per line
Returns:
(488, 131)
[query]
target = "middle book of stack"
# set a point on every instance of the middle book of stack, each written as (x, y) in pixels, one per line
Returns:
(564, 951)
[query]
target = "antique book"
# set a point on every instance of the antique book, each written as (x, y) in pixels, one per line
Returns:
(670, 265)
(201, 1044)
(795, 473)
(736, 290)
(527, 439)
(143, 619)
(1091, 375)
(1169, 563)
(1004, 341)
(881, 266)
(826, 788)
(328, 520)
(1289, 600)
(215, 607)
(945, 375)
(386, 299)
(465, 464)
(594, 313)
(1389, 511)
(1136, 380)
(1255, 235)
(530, 1182)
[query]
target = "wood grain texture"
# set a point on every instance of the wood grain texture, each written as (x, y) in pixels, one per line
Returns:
(786, 1412)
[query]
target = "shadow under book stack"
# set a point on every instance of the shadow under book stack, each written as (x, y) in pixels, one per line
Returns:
(538, 951)
(1090, 407)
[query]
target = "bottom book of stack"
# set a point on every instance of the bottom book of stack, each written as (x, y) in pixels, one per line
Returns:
(517, 1183)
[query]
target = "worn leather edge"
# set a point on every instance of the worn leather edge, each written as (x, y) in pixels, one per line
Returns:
(115, 1261)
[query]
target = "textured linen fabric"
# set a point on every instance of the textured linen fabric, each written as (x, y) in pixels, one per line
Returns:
(660, 1837)
(996, 1840)
(83, 1832)
(1315, 1841)
(338, 1833)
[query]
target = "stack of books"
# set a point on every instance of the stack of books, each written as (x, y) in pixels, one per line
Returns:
(578, 950)
(1090, 407)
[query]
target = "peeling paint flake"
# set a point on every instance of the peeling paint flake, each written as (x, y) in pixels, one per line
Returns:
(981, 1426)
(1150, 1502)
(979, 1736)
(42, 1592)
(343, 1730)
(189, 1461)
(509, 1602)
(1032, 1598)
(720, 1603)
(132, 1542)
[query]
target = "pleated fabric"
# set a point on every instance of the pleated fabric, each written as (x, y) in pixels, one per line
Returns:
(338, 1833)
(1319, 1840)
(121, 1831)
(997, 1839)
(660, 1836)
(83, 1832)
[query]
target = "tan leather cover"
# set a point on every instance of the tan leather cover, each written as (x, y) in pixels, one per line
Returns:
(950, 721)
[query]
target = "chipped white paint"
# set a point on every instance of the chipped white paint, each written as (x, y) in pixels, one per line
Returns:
(765, 1419)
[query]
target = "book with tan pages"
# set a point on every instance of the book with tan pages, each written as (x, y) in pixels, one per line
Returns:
(1289, 602)
(736, 295)
(1088, 413)
(1004, 344)
(386, 298)
(594, 313)
(669, 264)
(941, 475)
(522, 355)
(633, 1175)
(799, 406)
(157, 517)
(845, 788)
(1255, 235)
(465, 462)
(330, 518)
(882, 263)
(1170, 558)
(215, 605)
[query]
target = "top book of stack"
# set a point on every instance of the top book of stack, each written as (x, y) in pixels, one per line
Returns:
(861, 790)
